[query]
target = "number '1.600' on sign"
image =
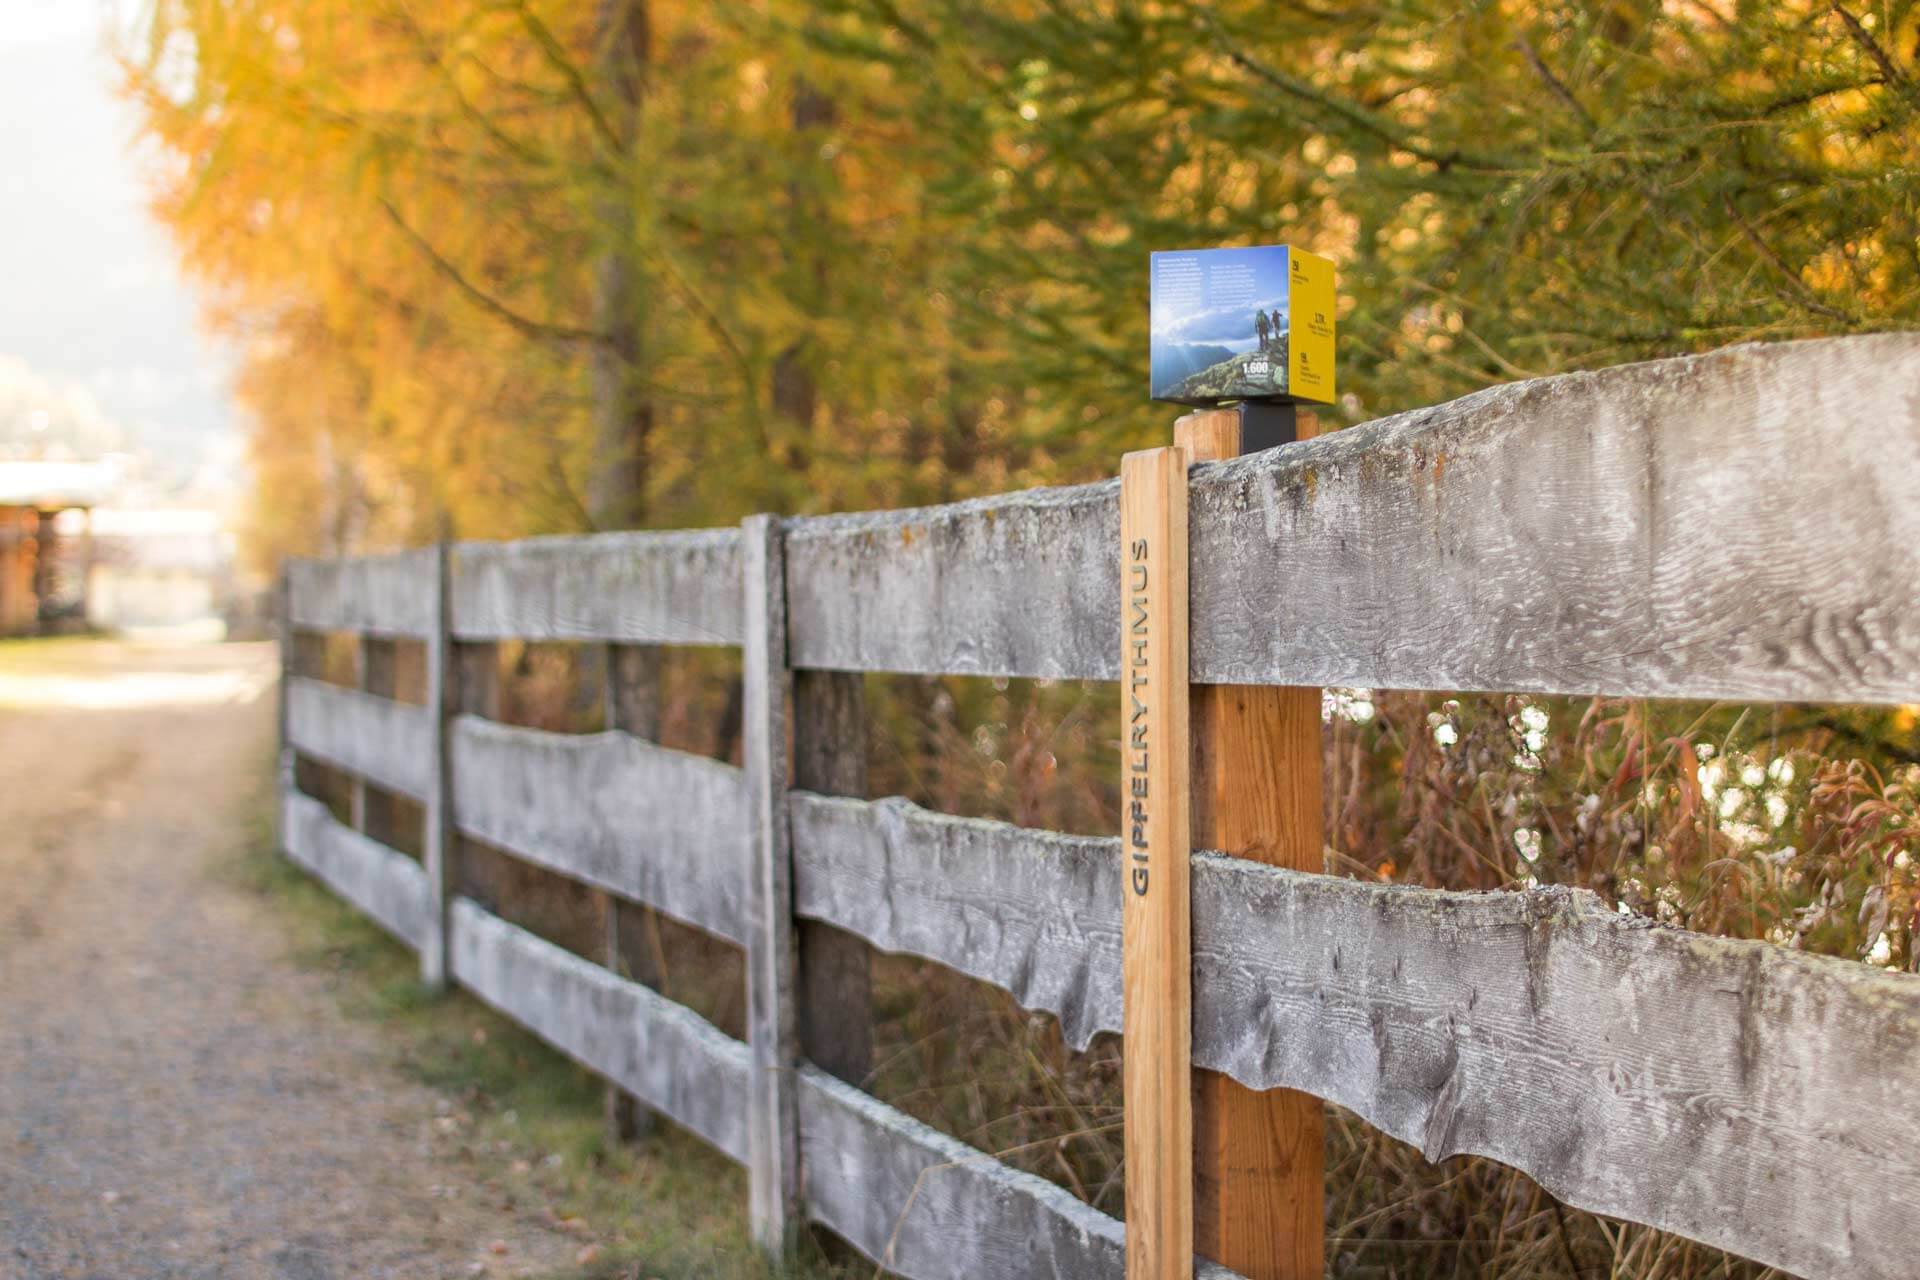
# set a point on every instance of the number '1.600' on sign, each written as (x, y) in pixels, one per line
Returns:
(1253, 323)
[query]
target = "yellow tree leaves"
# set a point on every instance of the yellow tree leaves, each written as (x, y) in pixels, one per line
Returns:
(403, 210)
(873, 253)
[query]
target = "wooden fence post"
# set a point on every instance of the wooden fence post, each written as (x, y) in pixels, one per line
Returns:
(773, 1128)
(836, 967)
(372, 807)
(283, 757)
(356, 785)
(303, 653)
(632, 696)
(437, 836)
(473, 675)
(1260, 1157)
(1157, 964)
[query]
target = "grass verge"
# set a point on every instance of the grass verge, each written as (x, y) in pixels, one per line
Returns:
(663, 1208)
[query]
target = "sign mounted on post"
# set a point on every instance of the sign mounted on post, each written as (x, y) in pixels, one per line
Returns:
(1253, 324)
(1251, 328)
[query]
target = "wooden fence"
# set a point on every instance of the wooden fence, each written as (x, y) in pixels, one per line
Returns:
(1741, 525)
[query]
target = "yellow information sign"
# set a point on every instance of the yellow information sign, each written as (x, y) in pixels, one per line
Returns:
(1248, 325)
(1310, 307)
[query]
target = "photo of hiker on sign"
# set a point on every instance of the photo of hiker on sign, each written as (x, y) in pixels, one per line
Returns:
(1225, 327)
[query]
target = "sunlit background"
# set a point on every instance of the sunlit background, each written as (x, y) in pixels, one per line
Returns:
(114, 412)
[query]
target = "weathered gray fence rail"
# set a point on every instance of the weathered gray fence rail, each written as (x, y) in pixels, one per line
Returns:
(1738, 525)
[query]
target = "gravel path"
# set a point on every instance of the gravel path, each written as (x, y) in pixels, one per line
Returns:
(177, 1098)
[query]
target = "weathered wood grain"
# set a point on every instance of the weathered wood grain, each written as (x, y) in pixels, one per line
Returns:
(389, 886)
(388, 743)
(1023, 584)
(1735, 1092)
(438, 842)
(643, 821)
(773, 1135)
(1732, 525)
(664, 1053)
(1032, 912)
(928, 1207)
(1738, 1093)
(638, 588)
(389, 595)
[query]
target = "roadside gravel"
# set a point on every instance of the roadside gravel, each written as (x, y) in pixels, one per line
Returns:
(178, 1099)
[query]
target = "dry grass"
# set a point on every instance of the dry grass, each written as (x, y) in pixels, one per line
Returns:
(1797, 825)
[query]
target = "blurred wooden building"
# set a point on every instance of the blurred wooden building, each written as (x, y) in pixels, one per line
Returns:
(43, 572)
(158, 567)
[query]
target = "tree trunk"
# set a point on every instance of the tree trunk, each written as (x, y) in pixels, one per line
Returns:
(795, 393)
(622, 412)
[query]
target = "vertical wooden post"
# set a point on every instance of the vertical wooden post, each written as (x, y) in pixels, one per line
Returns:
(836, 967)
(473, 688)
(1259, 1158)
(44, 550)
(1156, 919)
(633, 692)
(283, 756)
(633, 704)
(356, 785)
(437, 836)
(310, 654)
(373, 807)
(306, 655)
(86, 568)
(773, 1132)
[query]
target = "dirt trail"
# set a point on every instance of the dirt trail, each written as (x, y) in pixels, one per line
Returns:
(177, 1098)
